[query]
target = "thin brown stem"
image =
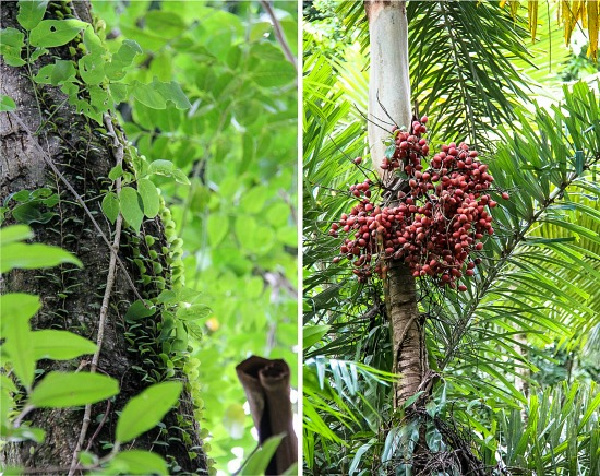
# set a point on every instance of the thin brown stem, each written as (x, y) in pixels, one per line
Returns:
(78, 198)
(106, 412)
(110, 279)
(279, 34)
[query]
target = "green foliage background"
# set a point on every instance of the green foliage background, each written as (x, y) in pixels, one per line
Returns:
(238, 146)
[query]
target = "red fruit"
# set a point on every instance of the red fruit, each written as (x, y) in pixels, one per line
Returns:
(505, 195)
(358, 160)
(424, 119)
(462, 287)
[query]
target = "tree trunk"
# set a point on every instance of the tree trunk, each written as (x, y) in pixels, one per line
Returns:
(72, 297)
(389, 83)
(408, 338)
(389, 100)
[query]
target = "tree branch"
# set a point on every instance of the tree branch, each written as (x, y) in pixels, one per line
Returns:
(279, 34)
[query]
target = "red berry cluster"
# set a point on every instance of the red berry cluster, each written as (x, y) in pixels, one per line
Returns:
(437, 221)
(410, 149)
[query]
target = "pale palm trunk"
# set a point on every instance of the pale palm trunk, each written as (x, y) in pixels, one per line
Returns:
(389, 100)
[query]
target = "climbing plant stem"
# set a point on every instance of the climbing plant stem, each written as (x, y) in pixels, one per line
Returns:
(78, 198)
(110, 279)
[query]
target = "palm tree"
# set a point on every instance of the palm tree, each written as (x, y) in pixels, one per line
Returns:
(525, 284)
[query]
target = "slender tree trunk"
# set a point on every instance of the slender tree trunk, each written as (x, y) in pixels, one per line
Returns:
(408, 338)
(389, 83)
(389, 100)
(72, 297)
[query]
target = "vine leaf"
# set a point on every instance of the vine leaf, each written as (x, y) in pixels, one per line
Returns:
(193, 312)
(31, 12)
(150, 198)
(53, 33)
(91, 69)
(12, 42)
(130, 207)
(54, 74)
(115, 172)
(110, 205)
(146, 410)
(116, 69)
(92, 42)
(6, 103)
(69, 389)
(138, 310)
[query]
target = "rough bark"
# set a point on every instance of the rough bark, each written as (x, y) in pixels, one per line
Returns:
(71, 296)
(408, 338)
(389, 95)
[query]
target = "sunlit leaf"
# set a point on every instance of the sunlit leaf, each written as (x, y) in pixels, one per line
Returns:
(53, 33)
(59, 345)
(68, 389)
(31, 12)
